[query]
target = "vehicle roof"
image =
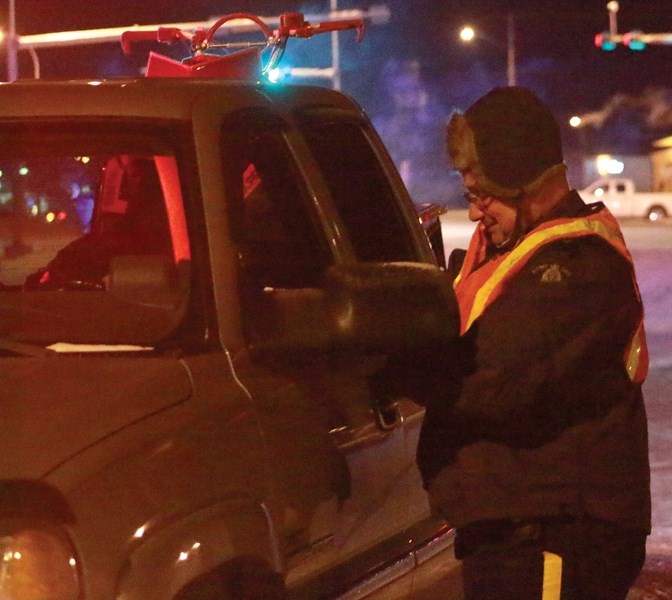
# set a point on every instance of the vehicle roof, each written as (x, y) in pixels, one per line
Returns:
(166, 98)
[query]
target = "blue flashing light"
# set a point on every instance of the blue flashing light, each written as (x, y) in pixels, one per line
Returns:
(275, 75)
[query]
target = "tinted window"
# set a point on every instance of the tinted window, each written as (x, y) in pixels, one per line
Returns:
(278, 239)
(359, 188)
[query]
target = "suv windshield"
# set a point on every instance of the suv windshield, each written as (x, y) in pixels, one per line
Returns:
(93, 239)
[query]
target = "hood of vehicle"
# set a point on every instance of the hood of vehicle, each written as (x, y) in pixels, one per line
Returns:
(53, 407)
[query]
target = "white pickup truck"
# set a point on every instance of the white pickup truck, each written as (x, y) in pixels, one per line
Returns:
(621, 198)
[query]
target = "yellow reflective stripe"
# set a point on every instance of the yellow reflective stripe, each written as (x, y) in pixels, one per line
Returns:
(582, 226)
(634, 354)
(552, 583)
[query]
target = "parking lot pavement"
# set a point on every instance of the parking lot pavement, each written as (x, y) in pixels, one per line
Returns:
(655, 581)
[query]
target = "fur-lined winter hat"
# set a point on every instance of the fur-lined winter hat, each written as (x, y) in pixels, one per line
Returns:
(509, 139)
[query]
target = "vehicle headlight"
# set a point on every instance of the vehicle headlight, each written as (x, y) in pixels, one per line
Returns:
(37, 563)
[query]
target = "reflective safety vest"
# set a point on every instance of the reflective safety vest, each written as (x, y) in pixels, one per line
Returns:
(476, 288)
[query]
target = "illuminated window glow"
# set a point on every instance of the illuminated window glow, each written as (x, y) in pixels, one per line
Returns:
(608, 165)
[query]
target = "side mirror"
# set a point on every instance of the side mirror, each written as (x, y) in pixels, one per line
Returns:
(397, 306)
(148, 280)
(371, 307)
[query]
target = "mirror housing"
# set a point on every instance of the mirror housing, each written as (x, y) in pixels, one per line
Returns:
(369, 307)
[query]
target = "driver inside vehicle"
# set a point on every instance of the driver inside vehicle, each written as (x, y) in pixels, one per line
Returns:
(129, 219)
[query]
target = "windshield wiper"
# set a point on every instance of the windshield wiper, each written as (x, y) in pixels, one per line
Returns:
(25, 349)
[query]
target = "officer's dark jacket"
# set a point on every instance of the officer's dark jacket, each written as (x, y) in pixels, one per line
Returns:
(534, 414)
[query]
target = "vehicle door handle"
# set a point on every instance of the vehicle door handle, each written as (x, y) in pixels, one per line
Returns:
(387, 412)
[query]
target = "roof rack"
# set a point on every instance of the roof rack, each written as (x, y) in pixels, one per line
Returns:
(248, 60)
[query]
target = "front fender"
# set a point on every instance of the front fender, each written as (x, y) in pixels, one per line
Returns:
(164, 557)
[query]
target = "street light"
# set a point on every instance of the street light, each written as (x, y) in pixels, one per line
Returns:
(469, 34)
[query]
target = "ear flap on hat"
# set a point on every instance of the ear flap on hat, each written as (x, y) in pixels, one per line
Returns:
(461, 143)
(535, 184)
(464, 155)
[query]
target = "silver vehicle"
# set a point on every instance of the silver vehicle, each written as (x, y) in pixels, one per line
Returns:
(193, 301)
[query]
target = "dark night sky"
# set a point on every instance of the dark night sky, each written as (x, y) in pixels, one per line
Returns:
(555, 54)
(554, 39)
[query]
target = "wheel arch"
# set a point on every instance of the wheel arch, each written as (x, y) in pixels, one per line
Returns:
(240, 578)
(659, 210)
(166, 557)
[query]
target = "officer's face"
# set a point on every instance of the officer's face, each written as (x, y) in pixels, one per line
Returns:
(497, 216)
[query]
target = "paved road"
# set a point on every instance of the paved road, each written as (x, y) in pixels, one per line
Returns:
(655, 280)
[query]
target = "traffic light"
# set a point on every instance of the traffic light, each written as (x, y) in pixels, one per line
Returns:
(604, 40)
(633, 40)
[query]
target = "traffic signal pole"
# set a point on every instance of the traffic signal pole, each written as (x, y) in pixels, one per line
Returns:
(612, 7)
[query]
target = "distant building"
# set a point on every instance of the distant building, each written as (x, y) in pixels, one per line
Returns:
(661, 161)
(638, 167)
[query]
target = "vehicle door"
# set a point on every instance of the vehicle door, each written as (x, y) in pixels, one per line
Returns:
(603, 191)
(622, 199)
(367, 194)
(341, 462)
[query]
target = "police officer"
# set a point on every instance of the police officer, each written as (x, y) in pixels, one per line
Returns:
(535, 448)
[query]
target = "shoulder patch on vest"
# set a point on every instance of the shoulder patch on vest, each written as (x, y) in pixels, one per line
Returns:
(552, 273)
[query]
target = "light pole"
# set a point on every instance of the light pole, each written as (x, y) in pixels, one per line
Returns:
(12, 69)
(612, 7)
(468, 34)
(12, 41)
(510, 50)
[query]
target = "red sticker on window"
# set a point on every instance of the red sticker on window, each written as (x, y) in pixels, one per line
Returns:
(251, 180)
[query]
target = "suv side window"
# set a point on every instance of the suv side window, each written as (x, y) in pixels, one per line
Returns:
(277, 237)
(359, 187)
